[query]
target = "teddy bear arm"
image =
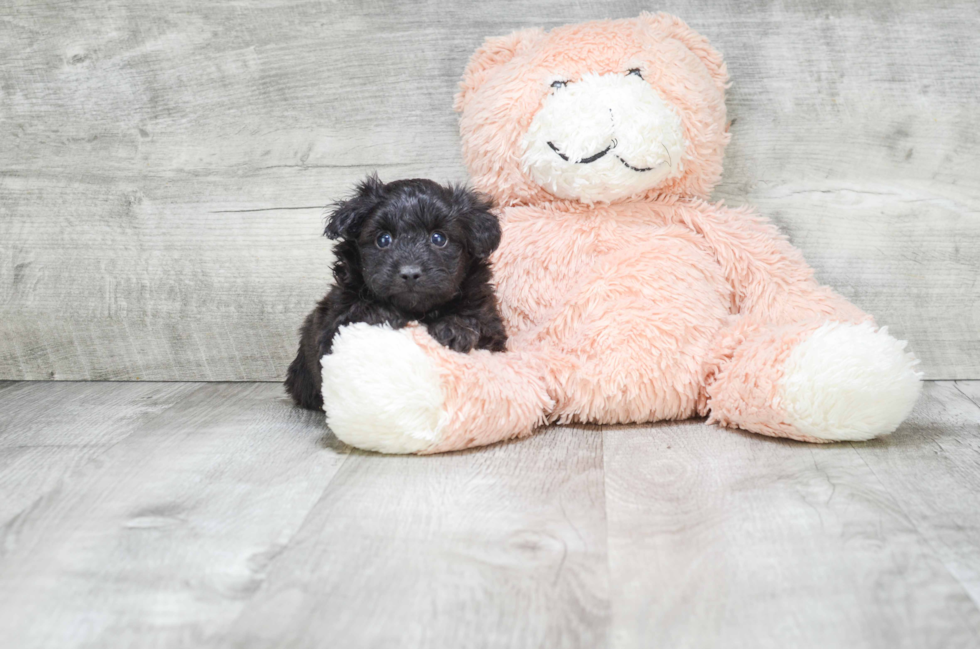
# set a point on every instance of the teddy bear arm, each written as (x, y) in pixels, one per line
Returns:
(769, 278)
(401, 391)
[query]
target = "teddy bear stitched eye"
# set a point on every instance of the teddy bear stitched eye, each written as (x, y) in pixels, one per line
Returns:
(559, 84)
(635, 72)
(383, 240)
(438, 239)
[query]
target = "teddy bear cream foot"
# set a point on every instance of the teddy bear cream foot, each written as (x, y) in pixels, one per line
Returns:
(381, 392)
(816, 383)
(848, 382)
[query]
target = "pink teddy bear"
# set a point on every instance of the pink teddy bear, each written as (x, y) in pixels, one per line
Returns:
(627, 296)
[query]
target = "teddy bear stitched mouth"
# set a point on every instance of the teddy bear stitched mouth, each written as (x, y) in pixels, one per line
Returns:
(594, 157)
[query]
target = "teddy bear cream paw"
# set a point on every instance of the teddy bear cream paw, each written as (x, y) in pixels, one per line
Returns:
(381, 392)
(849, 382)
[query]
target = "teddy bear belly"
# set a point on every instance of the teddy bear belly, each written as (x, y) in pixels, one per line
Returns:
(634, 333)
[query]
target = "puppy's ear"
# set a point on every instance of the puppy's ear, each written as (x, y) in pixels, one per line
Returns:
(479, 222)
(347, 217)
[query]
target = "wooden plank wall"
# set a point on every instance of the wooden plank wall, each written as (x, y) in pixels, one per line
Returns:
(163, 166)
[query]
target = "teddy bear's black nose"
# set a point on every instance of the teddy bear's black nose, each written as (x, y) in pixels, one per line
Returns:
(410, 274)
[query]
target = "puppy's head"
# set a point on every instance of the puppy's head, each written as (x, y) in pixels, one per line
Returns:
(417, 240)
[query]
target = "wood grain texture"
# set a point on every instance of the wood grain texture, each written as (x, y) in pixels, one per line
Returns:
(163, 166)
(147, 514)
(721, 538)
(933, 474)
(503, 547)
(218, 515)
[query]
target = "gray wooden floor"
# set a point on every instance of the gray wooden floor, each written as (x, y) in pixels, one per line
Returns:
(191, 514)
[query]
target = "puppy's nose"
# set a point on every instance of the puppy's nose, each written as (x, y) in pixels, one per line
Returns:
(410, 274)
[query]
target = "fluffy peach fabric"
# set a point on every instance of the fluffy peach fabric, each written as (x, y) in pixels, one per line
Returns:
(656, 306)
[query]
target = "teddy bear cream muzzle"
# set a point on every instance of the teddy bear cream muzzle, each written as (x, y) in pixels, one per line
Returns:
(603, 137)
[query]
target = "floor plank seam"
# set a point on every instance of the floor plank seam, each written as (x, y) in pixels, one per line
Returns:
(302, 524)
(935, 553)
(605, 518)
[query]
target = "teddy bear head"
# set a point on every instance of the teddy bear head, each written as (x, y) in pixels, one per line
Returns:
(599, 112)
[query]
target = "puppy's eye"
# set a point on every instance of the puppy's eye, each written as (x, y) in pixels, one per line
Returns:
(635, 72)
(559, 84)
(438, 239)
(383, 240)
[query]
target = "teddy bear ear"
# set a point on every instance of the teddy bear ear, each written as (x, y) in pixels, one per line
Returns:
(679, 30)
(495, 52)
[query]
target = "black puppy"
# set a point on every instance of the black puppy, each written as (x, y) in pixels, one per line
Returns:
(409, 250)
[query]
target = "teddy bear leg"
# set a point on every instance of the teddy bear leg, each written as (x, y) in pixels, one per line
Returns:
(401, 392)
(814, 382)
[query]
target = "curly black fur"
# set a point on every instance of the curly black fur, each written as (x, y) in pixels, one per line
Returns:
(413, 278)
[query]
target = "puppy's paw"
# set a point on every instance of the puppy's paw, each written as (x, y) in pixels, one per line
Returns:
(381, 392)
(454, 333)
